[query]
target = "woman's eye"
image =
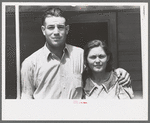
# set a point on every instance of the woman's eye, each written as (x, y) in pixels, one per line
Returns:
(102, 56)
(93, 57)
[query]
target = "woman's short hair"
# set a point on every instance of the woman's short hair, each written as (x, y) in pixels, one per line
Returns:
(87, 48)
(52, 12)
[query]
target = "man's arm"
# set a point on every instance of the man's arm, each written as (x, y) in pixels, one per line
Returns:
(124, 77)
(27, 79)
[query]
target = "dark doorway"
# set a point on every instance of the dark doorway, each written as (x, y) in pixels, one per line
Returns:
(81, 33)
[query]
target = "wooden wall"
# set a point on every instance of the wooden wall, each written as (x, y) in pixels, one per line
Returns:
(31, 37)
(129, 46)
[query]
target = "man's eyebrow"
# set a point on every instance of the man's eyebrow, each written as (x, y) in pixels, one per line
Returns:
(51, 25)
(56, 24)
(61, 24)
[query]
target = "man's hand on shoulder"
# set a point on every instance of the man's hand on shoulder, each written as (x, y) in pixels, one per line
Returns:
(124, 77)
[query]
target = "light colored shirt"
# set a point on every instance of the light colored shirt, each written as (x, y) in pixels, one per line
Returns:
(109, 89)
(45, 76)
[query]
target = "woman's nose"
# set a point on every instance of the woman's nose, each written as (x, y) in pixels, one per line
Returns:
(97, 59)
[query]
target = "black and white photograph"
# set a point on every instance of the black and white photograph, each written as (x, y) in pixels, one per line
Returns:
(63, 60)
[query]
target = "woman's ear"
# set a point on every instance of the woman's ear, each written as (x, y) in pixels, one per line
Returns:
(43, 29)
(67, 29)
(108, 57)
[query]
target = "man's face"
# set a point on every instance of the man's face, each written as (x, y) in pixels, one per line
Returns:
(55, 31)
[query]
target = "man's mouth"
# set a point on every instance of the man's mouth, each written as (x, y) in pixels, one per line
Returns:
(56, 38)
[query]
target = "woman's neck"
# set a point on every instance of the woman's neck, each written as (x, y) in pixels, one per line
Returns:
(100, 77)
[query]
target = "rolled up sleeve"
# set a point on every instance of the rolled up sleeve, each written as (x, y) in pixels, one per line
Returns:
(27, 80)
(126, 92)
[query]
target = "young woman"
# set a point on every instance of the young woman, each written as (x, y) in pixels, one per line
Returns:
(99, 79)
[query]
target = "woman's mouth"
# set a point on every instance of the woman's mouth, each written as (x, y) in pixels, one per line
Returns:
(98, 66)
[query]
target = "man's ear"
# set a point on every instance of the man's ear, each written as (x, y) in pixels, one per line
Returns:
(67, 29)
(43, 29)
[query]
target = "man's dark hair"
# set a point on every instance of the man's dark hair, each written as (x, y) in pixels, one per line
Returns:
(52, 12)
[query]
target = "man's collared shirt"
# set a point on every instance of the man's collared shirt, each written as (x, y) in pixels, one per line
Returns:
(110, 89)
(45, 76)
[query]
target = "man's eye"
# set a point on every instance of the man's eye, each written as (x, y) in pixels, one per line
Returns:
(61, 27)
(51, 27)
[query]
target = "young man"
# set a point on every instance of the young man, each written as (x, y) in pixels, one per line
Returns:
(54, 71)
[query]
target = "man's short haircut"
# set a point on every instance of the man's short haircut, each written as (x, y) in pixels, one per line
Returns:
(52, 12)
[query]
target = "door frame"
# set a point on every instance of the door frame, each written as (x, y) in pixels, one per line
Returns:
(110, 18)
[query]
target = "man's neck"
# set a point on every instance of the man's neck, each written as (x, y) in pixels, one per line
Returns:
(58, 51)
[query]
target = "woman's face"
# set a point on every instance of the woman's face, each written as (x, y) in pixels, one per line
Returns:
(97, 59)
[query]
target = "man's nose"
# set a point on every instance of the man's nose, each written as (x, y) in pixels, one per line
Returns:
(56, 31)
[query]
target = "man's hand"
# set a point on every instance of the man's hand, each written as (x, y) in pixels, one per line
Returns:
(124, 77)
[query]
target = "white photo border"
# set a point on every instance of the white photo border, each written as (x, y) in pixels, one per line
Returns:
(133, 110)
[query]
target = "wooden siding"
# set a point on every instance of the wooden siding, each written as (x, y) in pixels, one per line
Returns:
(129, 46)
(31, 38)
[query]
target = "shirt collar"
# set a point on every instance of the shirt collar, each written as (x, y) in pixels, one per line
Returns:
(90, 86)
(48, 53)
(66, 50)
(110, 81)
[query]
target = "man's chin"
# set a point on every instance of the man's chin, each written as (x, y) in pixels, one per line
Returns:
(58, 44)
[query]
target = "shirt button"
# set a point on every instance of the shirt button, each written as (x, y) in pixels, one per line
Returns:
(63, 85)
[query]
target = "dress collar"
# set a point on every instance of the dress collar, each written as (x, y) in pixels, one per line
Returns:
(90, 85)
